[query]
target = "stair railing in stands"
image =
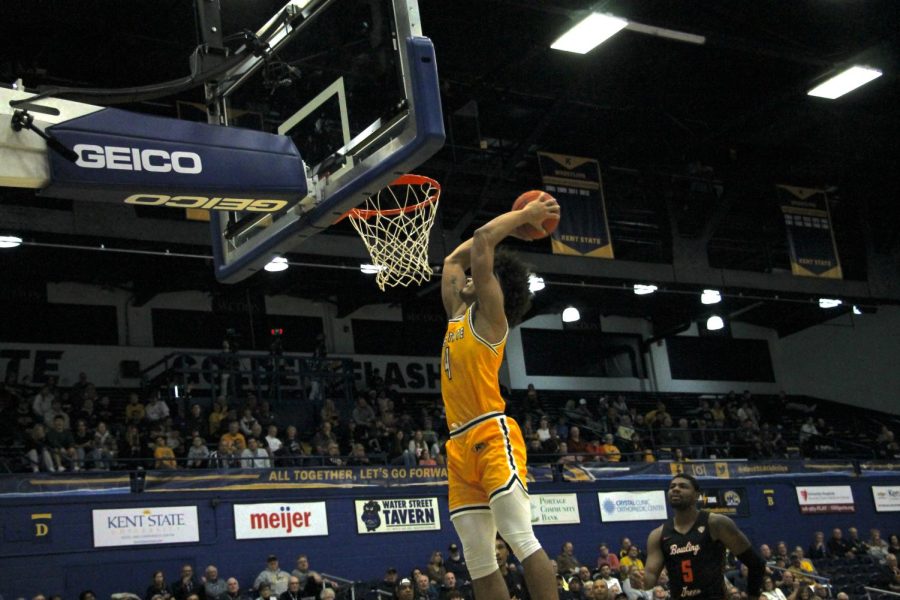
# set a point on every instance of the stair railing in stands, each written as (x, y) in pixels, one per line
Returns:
(873, 593)
(344, 581)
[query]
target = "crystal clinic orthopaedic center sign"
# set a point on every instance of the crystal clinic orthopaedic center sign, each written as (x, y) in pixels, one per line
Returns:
(145, 526)
(554, 509)
(632, 506)
(280, 519)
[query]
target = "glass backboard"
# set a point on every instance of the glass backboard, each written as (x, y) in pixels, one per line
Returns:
(353, 83)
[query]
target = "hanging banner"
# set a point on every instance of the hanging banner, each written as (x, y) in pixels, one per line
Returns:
(576, 184)
(807, 220)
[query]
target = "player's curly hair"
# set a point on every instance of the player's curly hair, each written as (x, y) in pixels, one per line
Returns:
(512, 274)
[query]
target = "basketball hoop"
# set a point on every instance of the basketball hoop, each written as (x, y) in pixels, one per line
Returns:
(395, 225)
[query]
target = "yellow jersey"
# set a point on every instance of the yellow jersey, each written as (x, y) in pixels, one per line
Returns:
(469, 366)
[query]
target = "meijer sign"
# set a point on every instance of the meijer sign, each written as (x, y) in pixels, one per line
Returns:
(281, 519)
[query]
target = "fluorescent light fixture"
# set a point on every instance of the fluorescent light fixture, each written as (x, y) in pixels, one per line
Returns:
(844, 82)
(856, 310)
(715, 323)
(570, 315)
(278, 263)
(710, 297)
(662, 32)
(535, 283)
(370, 269)
(589, 33)
(10, 241)
(642, 289)
(829, 302)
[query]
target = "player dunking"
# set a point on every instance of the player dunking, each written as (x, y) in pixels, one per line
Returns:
(486, 452)
(691, 545)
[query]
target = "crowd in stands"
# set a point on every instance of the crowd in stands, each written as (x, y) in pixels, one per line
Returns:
(75, 428)
(58, 429)
(837, 567)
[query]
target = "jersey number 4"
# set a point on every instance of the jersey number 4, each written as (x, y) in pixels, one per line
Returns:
(446, 361)
(687, 572)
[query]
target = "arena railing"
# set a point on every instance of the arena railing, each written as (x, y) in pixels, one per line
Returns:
(349, 584)
(819, 579)
(873, 593)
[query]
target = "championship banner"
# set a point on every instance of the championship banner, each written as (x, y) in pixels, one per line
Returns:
(576, 184)
(397, 515)
(807, 220)
(726, 501)
(819, 499)
(554, 509)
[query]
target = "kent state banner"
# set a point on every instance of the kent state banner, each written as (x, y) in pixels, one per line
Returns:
(576, 184)
(807, 220)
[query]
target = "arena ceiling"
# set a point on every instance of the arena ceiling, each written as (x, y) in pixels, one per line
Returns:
(651, 110)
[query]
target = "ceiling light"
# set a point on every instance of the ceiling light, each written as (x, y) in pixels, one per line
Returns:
(662, 32)
(845, 81)
(535, 283)
(10, 241)
(829, 302)
(278, 263)
(589, 33)
(710, 297)
(856, 310)
(570, 315)
(715, 323)
(370, 269)
(642, 289)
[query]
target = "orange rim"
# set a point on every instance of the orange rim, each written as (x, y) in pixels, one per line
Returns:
(409, 179)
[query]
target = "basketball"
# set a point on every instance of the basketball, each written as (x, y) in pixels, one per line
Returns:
(527, 231)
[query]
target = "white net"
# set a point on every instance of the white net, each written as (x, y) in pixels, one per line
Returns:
(395, 225)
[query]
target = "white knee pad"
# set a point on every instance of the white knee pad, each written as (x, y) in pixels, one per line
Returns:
(512, 514)
(477, 532)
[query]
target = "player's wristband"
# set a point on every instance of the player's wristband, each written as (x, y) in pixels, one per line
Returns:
(756, 570)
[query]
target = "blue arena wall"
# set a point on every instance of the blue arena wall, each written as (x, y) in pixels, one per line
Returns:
(55, 553)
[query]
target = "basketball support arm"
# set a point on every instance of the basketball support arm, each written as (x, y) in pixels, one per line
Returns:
(80, 151)
(28, 147)
(110, 155)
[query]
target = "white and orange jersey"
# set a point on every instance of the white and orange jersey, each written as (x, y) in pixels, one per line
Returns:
(469, 367)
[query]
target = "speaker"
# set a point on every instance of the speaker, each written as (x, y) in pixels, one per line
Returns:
(130, 369)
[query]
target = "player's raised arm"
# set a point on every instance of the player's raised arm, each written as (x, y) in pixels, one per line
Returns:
(655, 560)
(453, 278)
(723, 529)
(486, 238)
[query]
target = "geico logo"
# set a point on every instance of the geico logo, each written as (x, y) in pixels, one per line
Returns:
(137, 159)
(247, 204)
